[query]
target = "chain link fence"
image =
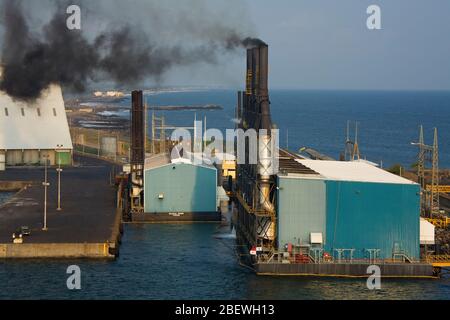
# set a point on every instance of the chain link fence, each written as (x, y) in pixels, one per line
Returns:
(104, 144)
(111, 145)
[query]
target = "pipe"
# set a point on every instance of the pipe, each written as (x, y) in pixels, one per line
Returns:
(265, 171)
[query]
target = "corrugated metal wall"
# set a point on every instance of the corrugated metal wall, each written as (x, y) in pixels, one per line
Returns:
(301, 209)
(185, 188)
(37, 157)
(372, 215)
(350, 215)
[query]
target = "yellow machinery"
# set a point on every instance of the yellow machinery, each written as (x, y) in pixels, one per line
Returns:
(439, 222)
(439, 189)
(229, 168)
(441, 261)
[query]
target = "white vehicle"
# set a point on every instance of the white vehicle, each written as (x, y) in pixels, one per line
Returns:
(17, 236)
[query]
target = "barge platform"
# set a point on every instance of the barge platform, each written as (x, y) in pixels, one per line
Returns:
(88, 226)
(347, 270)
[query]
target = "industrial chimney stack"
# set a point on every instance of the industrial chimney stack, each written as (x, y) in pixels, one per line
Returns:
(137, 150)
(256, 115)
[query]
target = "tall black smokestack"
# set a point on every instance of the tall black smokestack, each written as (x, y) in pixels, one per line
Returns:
(263, 70)
(266, 146)
(255, 68)
(137, 151)
(137, 128)
(263, 89)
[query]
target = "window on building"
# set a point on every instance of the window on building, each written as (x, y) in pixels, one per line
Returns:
(23, 112)
(6, 112)
(54, 112)
(39, 112)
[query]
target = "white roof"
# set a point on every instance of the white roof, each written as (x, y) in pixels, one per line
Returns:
(38, 125)
(353, 171)
(367, 161)
(426, 232)
(163, 159)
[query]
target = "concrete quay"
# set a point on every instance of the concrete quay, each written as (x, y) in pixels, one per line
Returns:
(88, 226)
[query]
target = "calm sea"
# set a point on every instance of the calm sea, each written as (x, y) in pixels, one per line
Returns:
(388, 121)
(191, 262)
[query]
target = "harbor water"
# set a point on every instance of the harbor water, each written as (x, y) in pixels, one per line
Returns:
(189, 261)
(4, 196)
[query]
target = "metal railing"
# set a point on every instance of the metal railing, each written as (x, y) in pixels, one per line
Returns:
(317, 256)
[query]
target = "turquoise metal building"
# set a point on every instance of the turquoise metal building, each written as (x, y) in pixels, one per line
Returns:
(353, 205)
(179, 187)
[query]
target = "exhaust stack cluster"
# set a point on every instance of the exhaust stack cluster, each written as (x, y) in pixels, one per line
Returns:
(255, 114)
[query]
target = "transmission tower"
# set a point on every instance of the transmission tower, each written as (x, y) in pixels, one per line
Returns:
(351, 152)
(356, 155)
(158, 134)
(421, 169)
(434, 207)
(429, 199)
(348, 144)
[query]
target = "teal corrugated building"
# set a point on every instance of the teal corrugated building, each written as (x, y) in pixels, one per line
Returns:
(179, 188)
(354, 205)
(301, 209)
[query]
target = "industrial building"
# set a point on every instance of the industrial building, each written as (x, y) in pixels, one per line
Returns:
(352, 208)
(31, 132)
(180, 188)
(162, 189)
(298, 216)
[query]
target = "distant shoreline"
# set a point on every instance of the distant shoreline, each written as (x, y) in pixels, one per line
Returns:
(169, 108)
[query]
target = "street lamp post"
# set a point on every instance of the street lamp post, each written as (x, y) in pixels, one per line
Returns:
(46, 184)
(59, 170)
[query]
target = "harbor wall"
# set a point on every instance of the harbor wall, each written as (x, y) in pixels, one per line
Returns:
(56, 250)
(10, 186)
(188, 217)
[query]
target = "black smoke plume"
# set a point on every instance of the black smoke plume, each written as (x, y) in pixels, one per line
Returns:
(33, 61)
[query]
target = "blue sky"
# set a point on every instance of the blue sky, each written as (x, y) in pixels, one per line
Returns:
(325, 44)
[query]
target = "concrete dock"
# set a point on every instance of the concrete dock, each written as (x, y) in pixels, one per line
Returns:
(88, 226)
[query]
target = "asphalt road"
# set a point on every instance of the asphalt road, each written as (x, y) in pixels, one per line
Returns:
(88, 204)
